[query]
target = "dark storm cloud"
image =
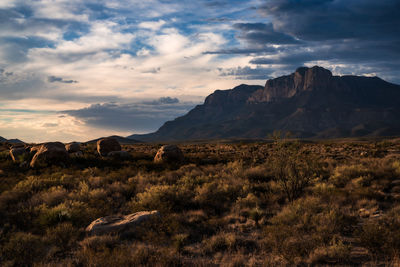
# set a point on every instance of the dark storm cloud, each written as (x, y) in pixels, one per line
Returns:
(162, 100)
(54, 79)
(263, 34)
(263, 50)
(15, 49)
(359, 35)
(329, 19)
(145, 116)
(247, 73)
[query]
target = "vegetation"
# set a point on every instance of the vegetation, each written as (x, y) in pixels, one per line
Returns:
(240, 204)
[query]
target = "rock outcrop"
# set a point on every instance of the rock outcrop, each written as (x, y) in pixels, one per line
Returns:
(73, 147)
(34, 149)
(50, 153)
(18, 153)
(107, 145)
(304, 79)
(114, 223)
(169, 153)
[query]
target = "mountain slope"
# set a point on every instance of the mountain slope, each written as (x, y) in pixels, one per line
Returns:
(310, 102)
(12, 141)
(120, 139)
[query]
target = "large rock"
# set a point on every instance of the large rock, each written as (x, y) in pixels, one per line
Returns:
(169, 153)
(107, 145)
(50, 153)
(73, 147)
(115, 223)
(17, 153)
(34, 150)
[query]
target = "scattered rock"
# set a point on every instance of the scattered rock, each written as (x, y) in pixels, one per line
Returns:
(107, 145)
(116, 223)
(73, 147)
(396, 183)
(169, 153)
(50, 153)
(17, 153)
(395, 189)
(364, 213)
(119, 154)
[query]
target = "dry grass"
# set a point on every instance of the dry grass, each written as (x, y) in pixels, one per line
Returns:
(253, 204)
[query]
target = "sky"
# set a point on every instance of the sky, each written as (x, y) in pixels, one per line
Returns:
(75, 70)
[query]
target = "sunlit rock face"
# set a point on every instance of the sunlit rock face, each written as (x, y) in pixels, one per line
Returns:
(304, 79)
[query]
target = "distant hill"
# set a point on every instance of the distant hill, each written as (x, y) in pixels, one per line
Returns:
(15, 141)
(310, 103)
(121, 140)
(12, 141)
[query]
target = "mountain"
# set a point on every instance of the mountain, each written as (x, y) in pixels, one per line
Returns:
(120, 139)
(15, 141)
(310, 103)
(12, 141)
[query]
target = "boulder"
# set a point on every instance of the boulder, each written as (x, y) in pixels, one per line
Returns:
(107, 145)
(50, 153)
(73, 147)
(34, 149)
(169, 153)
(115, 223)
(119, 154)
(17, 153)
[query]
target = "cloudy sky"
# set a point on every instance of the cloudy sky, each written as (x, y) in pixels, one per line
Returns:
(81, 69)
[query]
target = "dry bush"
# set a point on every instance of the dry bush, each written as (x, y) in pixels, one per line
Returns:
(22, 249)
(293, 168)
(227, 206)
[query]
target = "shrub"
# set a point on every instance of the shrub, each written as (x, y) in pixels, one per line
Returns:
(219, 242)
(217, 196)
(292, 168)
(304, 225)
(23, 249)
(164, 198)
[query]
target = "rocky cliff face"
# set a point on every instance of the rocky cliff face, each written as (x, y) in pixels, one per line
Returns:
(310, 102)
(304, 79)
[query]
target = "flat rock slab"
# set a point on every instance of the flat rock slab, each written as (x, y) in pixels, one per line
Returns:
(115, 223)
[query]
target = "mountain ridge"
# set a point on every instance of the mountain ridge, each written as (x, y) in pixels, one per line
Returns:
(310, 103)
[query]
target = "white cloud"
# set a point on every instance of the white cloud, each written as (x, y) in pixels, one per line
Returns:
(152, 25)
(115, 60)
(7, 3)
